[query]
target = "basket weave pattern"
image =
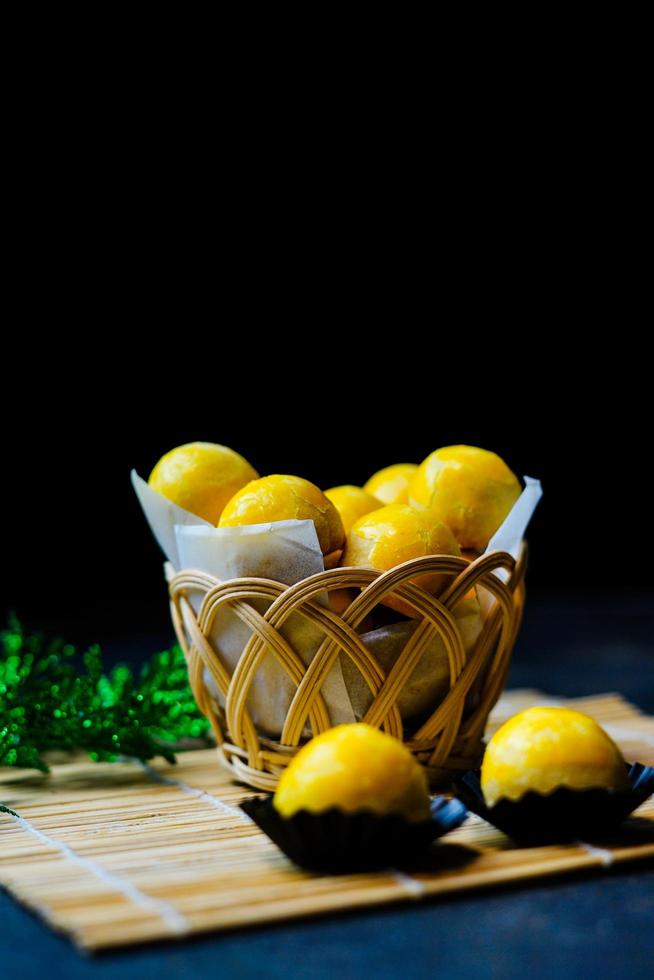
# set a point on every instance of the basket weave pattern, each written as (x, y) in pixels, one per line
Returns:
(450, 738)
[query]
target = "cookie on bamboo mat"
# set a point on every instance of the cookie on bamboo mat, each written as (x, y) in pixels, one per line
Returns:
(354, 799)
(553, 774)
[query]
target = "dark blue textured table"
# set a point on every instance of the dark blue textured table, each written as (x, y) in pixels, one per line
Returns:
(596, 926)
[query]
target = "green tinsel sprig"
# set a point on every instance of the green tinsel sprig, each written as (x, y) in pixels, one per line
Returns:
(48, 701)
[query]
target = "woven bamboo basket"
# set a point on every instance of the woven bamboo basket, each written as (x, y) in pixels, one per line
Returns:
(449, 740)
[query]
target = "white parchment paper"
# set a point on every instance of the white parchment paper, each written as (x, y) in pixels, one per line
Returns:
(511, 531)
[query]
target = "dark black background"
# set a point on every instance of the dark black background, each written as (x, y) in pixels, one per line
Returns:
(331, 402)
(327, 294)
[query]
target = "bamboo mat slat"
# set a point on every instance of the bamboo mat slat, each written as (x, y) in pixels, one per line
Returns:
(118, 854)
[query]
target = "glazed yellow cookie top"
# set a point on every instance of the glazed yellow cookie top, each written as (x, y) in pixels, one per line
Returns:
(351, 503)
(201, 477)
(543, 748)
(281, 497)
(354, 767)
(471, 490)
(394, 534)
(390, 485)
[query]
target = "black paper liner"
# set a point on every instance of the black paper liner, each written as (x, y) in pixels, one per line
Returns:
(338, 842)
(563, 815)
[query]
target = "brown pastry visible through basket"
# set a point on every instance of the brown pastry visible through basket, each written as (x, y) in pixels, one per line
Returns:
(447, 740)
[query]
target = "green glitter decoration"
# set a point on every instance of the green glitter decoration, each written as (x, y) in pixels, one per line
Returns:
(48, 702)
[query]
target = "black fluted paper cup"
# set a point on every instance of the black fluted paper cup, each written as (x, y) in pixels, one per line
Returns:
(563, 815)
(337, 842)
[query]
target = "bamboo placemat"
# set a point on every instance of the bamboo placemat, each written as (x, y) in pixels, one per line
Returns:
(118, 854)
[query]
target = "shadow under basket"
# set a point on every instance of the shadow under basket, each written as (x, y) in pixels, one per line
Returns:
(446, 740)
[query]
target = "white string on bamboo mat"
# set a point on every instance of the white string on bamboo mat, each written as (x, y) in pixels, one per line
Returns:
(606, 858)
(199, 794)
(411, 886)
(175, 921)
